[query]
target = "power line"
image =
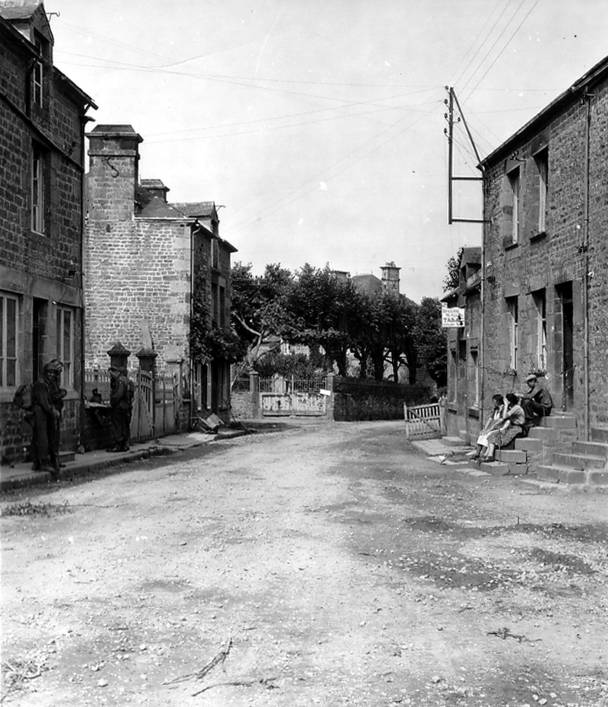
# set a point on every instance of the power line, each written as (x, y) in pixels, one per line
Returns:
(494, 43)
(505, 46)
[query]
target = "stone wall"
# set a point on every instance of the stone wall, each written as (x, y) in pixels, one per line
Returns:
(552, 261)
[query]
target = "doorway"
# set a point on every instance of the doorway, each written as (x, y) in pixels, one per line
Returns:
(564, 293)
(39, 336)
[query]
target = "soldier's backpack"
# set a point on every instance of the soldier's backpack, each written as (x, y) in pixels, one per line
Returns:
(23, 397)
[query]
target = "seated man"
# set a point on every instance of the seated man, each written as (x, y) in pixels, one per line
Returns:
(536, 401)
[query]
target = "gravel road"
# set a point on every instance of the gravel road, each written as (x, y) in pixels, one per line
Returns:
(328, 565)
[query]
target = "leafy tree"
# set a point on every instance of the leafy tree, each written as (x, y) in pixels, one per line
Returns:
(259, 308)
(452, 278)
(431, 340)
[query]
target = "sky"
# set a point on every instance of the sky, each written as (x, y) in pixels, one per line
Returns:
(318, 125)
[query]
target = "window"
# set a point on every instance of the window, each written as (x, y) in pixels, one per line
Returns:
(542, 164)
(38, 70)
(9, 312)
(222, 306)
(540, 302)
(513, 320)
(475, 362)
(65, 344)
(38, 180)
(514, 181)
(215, 304)
(215, 256)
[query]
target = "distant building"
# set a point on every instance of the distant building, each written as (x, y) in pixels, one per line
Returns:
(463, 395)
(42, 118)
(369, 284)
(147, 261)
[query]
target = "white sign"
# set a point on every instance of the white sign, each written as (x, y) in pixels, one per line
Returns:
(452, 317)
(325, 392)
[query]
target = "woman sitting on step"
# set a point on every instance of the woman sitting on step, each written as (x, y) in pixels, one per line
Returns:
(512, 426)
(494, 421)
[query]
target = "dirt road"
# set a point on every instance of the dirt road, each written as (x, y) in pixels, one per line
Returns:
(321, 565)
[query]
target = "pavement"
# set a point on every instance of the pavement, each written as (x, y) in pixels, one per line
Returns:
(22, 475)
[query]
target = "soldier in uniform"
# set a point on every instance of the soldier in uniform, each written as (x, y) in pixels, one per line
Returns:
(47, 404)
(120, 403)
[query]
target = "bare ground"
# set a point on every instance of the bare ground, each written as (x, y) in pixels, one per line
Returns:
(321, 565)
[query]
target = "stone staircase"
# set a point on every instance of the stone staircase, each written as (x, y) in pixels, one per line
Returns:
(552, 452)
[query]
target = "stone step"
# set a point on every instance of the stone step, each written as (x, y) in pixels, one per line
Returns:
(529, 444)
(454, 441)
(599, 434)
(515, 456)
(578, 461)
(561, 422)
(598, 449)
(545, 434)
(564, 475)
(497, 468)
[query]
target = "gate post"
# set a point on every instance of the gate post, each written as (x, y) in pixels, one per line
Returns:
(254, 391)
(330, 398)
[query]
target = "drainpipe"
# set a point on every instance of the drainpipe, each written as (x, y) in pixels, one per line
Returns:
(482, 294)
(585, 251)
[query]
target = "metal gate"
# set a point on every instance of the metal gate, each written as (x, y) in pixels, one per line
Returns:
(284, 397)
(166, 405)
(142, 417)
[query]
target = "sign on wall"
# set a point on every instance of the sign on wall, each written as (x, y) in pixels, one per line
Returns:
(452, 317)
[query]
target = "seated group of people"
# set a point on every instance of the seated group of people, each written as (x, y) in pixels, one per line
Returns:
(512, 418)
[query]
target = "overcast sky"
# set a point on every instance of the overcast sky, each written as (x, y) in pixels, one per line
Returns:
(318, 124)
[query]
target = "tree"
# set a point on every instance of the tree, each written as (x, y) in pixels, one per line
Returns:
(259, 308)
(452, 278)
(431, 340)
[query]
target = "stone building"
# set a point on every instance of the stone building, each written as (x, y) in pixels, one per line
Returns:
(42, 119)
(463, 396)
(545, 280)
(147, 262)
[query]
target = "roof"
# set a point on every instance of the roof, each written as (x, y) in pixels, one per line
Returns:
(158, 208)
(597, 72)
(18, 9)
(471, 255)
(153, 184)
(367, 284)
(199, 209)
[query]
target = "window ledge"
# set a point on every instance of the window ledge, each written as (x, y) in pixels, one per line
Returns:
(538, 236)
(473, 412)
(511, 245)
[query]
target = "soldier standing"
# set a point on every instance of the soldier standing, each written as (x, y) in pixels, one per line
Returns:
(120, 402)
(47, 404)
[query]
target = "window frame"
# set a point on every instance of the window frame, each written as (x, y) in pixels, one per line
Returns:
(540, 303)
(514, 177)
(513, 324)
(541, 160)
(67, 375)
(5, 359)
(38, 190)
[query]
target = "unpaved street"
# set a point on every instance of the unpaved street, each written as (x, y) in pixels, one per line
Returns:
(316, 565)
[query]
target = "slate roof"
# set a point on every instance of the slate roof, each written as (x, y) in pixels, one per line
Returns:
(196, 209)
(18, 9)
(367, 284)
(158, 208)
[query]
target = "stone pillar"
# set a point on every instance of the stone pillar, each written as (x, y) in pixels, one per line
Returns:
(254, 391)
(147, 360)
(119, 356)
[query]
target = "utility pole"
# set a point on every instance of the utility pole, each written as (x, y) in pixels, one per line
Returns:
(449, 132)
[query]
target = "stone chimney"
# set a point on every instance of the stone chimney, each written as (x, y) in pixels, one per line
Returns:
(113, 172)
(155, 187)
(390, 277)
